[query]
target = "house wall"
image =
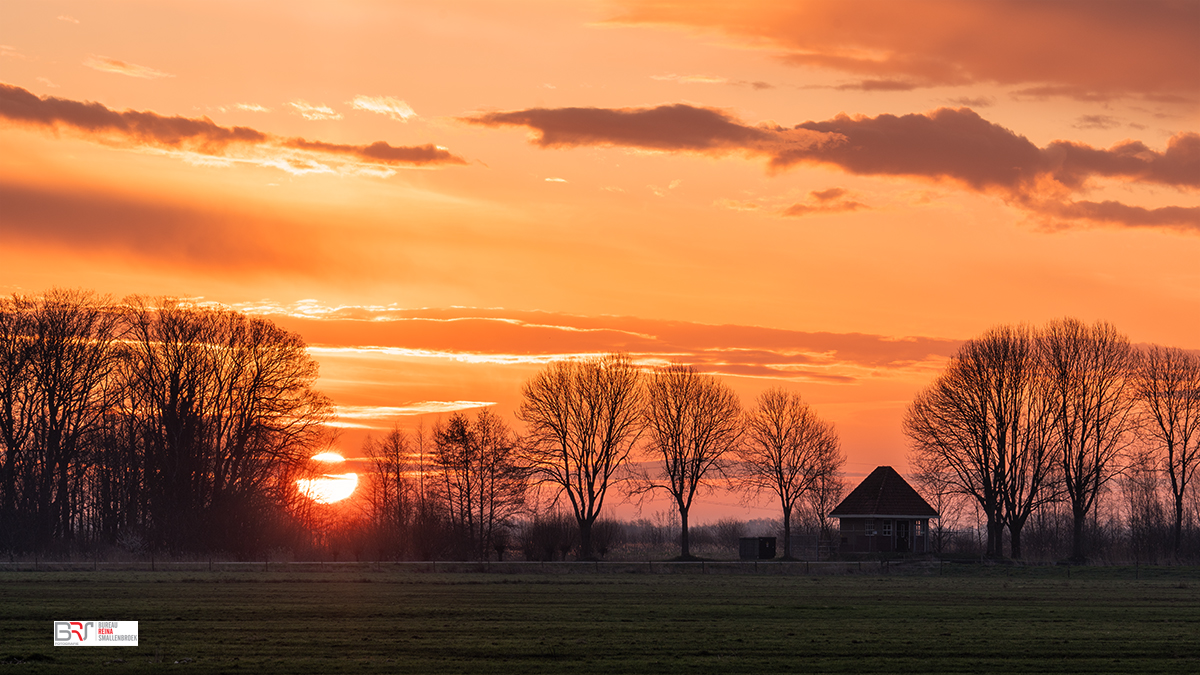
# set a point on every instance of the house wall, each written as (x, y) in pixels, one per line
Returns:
(882, 535)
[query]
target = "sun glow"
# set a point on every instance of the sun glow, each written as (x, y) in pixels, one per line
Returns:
(329, 488)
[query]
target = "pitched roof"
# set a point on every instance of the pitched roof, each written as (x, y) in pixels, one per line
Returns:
(884, 493)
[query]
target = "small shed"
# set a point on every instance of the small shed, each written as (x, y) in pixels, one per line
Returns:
(884, 514)
(756, 548)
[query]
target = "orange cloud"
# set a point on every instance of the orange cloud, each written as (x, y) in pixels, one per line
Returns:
(824, 201)
(107, 65)
(502, 336)
(201, 136)
(947, 144)
(1077, 48)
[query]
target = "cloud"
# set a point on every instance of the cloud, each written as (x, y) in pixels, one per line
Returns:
(879, 85)
(251, 107)
(11, 52)
(46, 81)
(205, 138)
(315, 112)
(691, 79)
(514, 337)
(668, 127)
(68, 19)
(384, 105)
(830, 200)
(108, 65)
(1073, 48)
(953, 145)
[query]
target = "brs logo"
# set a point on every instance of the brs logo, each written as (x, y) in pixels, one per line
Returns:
(71, 631)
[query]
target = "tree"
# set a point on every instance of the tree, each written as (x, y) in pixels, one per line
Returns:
(694, 421)
(484, 483)
(788, 451)
(1090, 371)
(582, 418)
(226, 415)
(390, 493)
(1167, 384)
(983, 428)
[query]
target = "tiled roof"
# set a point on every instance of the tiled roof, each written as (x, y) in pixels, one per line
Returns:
(884, 493)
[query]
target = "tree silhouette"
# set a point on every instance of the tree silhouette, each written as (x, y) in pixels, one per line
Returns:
(1091, 392)
(694, 421)
(788, 451)
(983, 427)
(1167, 384)
(582, 419)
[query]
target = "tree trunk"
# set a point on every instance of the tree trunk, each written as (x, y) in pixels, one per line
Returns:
(1014, 531)
(1178, 539)
(787, 535)
(1080, 520)
(995, 546)
(684, 547)
(585, 538)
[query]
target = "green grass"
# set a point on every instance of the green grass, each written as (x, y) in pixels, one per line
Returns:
(969, 619)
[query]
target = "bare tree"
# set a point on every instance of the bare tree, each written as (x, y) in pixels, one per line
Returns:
(484, 483)
(1168, 389)
(1091, 391)
(390, 493)
(583, 418)
(694, 421)
(788, 450)
(824, 496)
(983, 427)
(934, 482)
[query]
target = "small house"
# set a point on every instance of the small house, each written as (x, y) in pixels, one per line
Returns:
(884, 514)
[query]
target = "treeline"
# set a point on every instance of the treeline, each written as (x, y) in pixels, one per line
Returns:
(1066, 435)
(471, 488)
(155, 426)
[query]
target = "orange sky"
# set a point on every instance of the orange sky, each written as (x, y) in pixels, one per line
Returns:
(440, 197)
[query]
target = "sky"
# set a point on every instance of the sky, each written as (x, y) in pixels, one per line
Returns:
(828, 196)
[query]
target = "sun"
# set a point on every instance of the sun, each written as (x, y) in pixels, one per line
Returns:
(330, 487)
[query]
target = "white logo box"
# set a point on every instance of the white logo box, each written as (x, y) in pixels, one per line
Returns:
(95, 633)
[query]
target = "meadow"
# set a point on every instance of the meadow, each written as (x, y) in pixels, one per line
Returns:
(372, 618)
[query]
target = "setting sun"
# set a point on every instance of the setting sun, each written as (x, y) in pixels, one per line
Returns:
(329, 488)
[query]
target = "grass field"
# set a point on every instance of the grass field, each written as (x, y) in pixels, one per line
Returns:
(368, 620)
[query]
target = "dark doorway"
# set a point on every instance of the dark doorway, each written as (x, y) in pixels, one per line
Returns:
(902, 536)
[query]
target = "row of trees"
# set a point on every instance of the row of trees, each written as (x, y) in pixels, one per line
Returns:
(159, 424)
(587, 421)
(1028, 420)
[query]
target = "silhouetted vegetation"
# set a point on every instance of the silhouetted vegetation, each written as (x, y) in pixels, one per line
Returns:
(163, 427)
(1064, 436)
(158, 427)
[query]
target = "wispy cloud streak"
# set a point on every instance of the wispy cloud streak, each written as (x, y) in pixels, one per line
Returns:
(105, 64)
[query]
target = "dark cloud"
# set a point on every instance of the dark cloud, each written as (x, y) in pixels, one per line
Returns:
(947, 144)
(200, 135)
(380, 152)
(1079, 49)
(667, 127)
(1096, 122)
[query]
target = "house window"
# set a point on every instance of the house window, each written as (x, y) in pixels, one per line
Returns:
(870, 525)
(887, 528)
(917, 528)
